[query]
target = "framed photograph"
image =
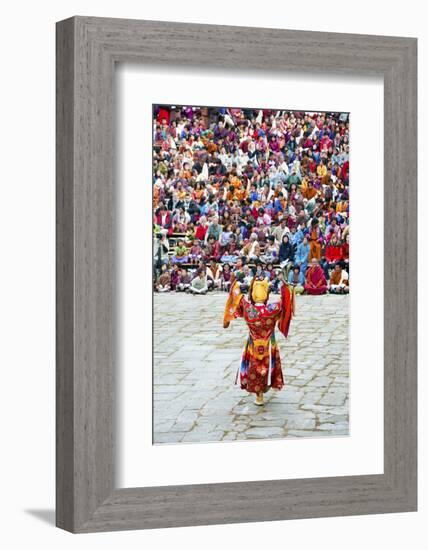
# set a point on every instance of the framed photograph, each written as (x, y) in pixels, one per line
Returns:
(216, 349)
(252, 203)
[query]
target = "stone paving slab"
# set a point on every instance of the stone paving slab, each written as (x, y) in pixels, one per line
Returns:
(195, 363)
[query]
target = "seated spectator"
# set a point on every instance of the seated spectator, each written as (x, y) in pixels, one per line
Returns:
(201, 228)
(260, 271)
(195, 252)
(181, 255)
(212, 250)
(164, 219)
(252, 249)
(180, 220)
(214, 230)
(286, 253)
(296, 279)
(247, 277)
(230, 251)
(315, 282)
(214, 271)
(280, 230)
(270, 253)
(270, 271)
(199, 284)
(325, 266)
(163, 283)
(225, 278)
(190, 234)
(302, 255)
(184, 282)
(339, 281)
(175, 276)
(225, 235)
(272, 275)
(333, 251)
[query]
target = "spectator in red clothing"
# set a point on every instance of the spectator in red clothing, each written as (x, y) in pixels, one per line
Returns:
(315, 282)
(201, 229)
(164, 219)
(333, 252)
(212, 250)
(345, 171)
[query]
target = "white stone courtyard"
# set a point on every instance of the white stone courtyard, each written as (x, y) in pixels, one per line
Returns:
(195, 364)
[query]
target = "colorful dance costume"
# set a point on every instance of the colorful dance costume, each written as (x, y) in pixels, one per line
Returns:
(260, 367)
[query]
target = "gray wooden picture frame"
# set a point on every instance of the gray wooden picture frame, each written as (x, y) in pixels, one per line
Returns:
(87, 50)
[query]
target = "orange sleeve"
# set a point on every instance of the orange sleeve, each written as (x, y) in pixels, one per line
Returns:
(233, 308)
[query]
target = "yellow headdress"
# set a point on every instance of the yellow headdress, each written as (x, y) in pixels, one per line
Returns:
(259, 290)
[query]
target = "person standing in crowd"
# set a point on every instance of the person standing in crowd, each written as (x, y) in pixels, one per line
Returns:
(160, 250)
(314, 241)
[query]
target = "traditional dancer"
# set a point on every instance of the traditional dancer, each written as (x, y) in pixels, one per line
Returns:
(260, 367)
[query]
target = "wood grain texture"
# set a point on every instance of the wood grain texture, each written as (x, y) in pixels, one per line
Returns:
(87, 49)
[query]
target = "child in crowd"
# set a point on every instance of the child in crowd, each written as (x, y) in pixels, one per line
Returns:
(225, 278)
(296, 279)
(180, 253)
(163, 283)
(175, 276)
(184, 282)
(196, 252)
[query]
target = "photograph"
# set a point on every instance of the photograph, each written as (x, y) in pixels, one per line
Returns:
(251, 275)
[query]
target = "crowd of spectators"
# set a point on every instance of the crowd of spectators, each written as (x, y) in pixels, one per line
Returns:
(251, 192)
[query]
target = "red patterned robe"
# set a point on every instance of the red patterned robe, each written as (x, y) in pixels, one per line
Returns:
(260, 367)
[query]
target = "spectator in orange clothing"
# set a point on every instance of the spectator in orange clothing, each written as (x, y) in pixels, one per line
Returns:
(314, 241)
(339, 280)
